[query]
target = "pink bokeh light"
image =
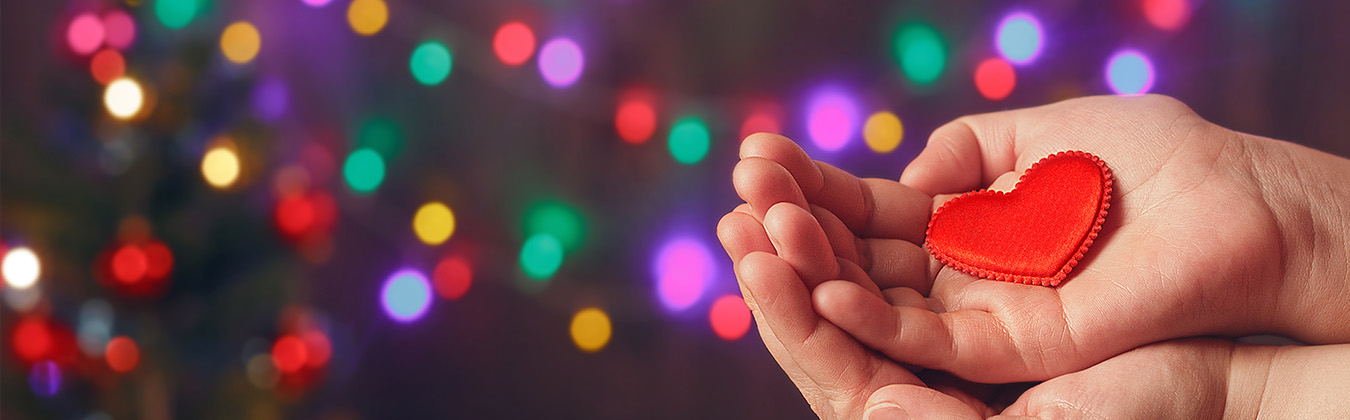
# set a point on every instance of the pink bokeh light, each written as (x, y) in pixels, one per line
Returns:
(831, 119)
(683, 267)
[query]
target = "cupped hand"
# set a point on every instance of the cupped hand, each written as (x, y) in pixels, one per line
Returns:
(1191, 247)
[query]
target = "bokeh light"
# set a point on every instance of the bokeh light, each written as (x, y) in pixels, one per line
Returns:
(635, 118)
(765, 118)
(1167, 15)
(21, 268)
(262, 371)
(995, 79)
(129, 264)
(513, 43)
(883, 132)
(85, 34)
(95, 327)
(45, 378)
(730, 318)
(431, 63)
(32, 339)
(176, 14)
(123, 98)
(270, 99)
(683, 267)
(381, 135)
(558, 219)
(434, 223)
(289, 354)
(364, 170)
(453, 277)
(240, 42)
(406, 296)
(220, 166)
(122, 354)
(1129, 72)
(119, 30)
(561, 62)
(106, 66)
(318, 348)
(591, 329)
(159, 260)
(920, 52)
(832, 119)
(367, 17)
(316, 3)
(689, 140)
(1019, 38)
(540, 256)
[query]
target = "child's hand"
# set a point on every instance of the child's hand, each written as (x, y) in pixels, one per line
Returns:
(1210, 233)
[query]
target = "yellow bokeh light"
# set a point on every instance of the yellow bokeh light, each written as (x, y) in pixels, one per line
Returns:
(883, 132)
(434, 223)
(240, 42)
(220, 166)
(591, 330)
(21, 268)
(123, 98)
(367, 17)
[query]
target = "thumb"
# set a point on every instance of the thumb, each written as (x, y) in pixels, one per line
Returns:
(968, 153)
(897, 402)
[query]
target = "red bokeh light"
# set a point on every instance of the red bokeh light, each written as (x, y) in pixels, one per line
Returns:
(129, 264)
(995, 79)
(514, 43)
(452, 277)
(304, 216)
(764, 118)
(317, 348)
(122, 354)
(118, 29)
(635, 118)
(289, 354)
(1167, 14)
(730, 318)
(32, 340)
(107, 66)
(159, 260)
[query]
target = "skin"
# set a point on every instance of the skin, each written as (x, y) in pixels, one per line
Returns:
(1212, 232)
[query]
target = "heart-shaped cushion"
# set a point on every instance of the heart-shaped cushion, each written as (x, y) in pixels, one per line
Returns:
(1034, 234)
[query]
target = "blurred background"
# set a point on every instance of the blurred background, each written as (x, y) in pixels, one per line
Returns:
(349, 209)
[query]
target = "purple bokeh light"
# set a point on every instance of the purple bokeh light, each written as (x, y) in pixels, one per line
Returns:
(683, 267)
(561, 62)
(832, 118)
(270, 99)
(45, 378)
(406, 295)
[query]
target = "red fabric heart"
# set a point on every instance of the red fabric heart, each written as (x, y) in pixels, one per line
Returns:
(1034, 234)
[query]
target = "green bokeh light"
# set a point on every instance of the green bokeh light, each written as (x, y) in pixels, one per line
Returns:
(921, 53)
(689, 140)
(558, 219)
(431, 63)
(541, 256)
(364, 170)
(381, 135)
(176, 13)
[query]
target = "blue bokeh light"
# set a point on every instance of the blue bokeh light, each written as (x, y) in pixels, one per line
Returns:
(406, 296)
(1019, 38)
(1129, 72)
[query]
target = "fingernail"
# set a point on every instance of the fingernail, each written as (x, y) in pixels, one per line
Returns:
(886, 411)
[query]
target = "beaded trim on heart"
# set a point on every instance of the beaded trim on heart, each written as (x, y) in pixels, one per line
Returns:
(1038, 280)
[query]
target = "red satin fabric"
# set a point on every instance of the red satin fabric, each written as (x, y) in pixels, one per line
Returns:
(1034, 234)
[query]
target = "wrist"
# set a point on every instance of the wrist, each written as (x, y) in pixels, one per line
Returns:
(1310, 201)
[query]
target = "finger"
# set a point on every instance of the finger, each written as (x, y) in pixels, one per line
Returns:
(797, 237)
(786, 153)
(873, 207)
(763, 183)
(970, 343)
(898, 263)
(823, 352)
(851, 272)
(741, 234)
(968, 153)
(918, 402)
(904, 296)
(842, 240)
